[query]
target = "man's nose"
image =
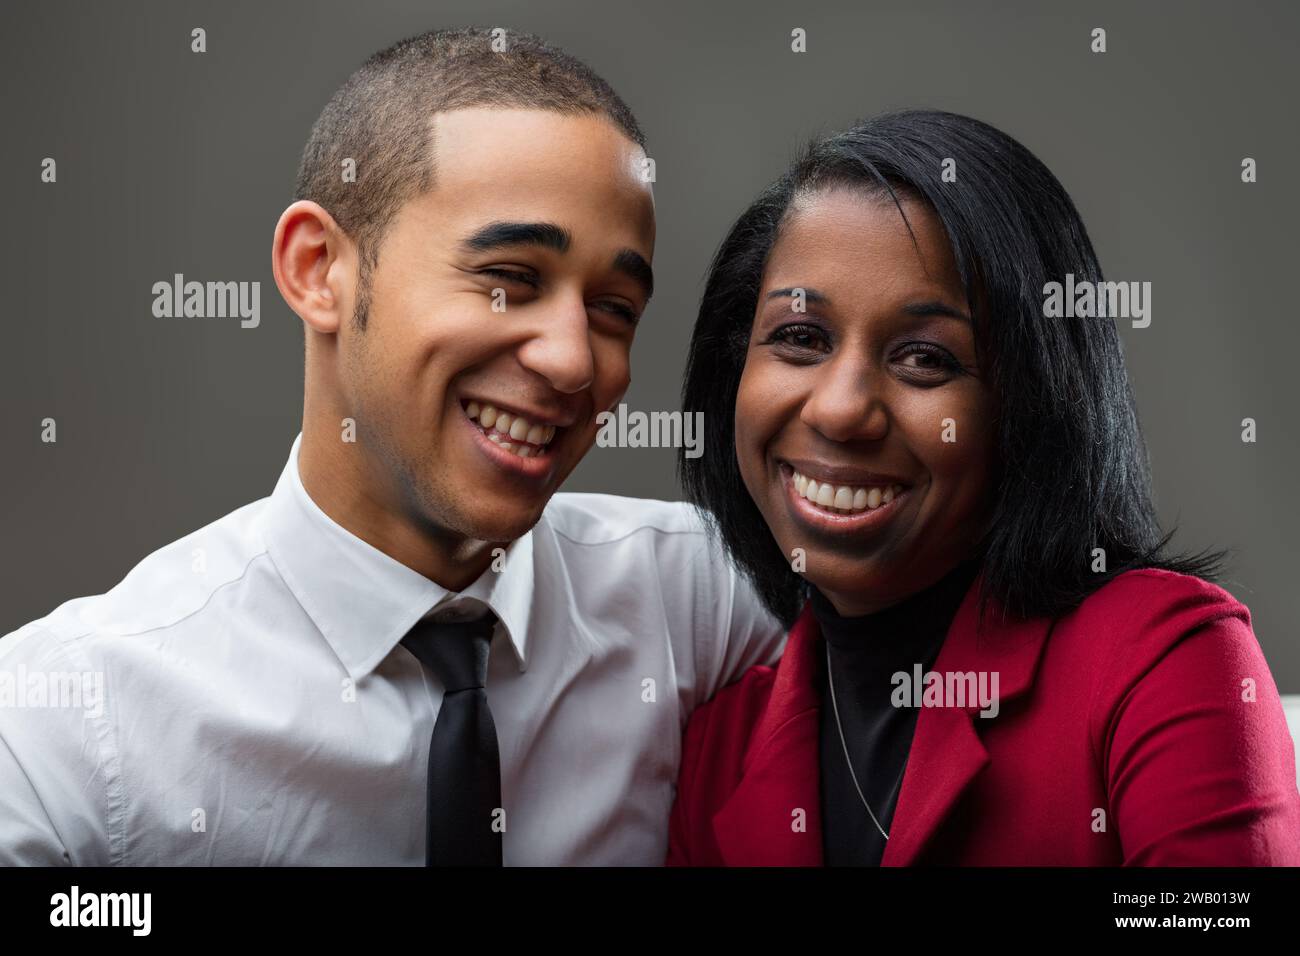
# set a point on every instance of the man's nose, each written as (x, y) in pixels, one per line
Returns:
(560, 348)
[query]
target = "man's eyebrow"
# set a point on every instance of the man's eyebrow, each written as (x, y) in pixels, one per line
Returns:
(499, 234)
(631, 263)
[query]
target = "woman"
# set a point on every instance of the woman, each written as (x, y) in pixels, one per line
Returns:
(994, 659)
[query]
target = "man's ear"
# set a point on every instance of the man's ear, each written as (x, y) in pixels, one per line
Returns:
(314, 264)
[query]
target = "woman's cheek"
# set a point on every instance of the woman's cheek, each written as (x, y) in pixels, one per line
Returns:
(756, 424)
(957, 456)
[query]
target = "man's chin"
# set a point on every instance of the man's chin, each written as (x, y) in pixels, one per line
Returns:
(503, 527)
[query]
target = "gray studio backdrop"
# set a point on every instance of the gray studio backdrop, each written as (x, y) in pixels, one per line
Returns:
(171, 161)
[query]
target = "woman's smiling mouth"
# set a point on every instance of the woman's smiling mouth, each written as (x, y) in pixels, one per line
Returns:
(836, 506)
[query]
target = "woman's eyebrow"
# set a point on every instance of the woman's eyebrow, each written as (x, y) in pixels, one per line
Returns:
(923, 309)
(810, 295)
(935, 307)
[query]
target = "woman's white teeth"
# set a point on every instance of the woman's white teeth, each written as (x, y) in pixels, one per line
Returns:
(514, 433)
(844, 497)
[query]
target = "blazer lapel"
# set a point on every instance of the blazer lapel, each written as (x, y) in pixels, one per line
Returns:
(947, 753)
(759, 825)
(781, 771)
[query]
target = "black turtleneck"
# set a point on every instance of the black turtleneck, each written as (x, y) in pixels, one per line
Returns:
(864, 654)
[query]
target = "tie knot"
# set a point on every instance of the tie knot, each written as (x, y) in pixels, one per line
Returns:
(455, 651)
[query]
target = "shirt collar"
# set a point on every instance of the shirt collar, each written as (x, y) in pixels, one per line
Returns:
(362, 600)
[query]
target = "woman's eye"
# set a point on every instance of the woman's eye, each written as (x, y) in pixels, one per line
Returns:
(807, 338)
(930, 360)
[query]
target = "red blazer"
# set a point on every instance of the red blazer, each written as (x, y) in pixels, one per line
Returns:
(1124, 739)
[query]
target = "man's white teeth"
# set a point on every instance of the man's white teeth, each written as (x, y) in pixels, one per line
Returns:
(844, 497)
(514, 433)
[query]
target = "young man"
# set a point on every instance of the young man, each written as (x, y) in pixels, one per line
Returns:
(302, 681)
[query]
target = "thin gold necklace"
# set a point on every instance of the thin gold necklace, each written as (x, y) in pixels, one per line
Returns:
(830, 677)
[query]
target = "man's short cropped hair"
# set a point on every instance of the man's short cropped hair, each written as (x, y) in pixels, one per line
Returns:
(380, 119)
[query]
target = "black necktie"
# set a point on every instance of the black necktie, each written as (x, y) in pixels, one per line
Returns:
(464, 782)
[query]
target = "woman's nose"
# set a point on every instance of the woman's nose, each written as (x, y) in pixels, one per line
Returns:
(845, 404)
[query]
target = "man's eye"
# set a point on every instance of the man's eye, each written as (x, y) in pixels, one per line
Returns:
(507, 275)
(617, 308)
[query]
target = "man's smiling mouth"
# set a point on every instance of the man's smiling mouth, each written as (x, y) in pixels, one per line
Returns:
(511, 432)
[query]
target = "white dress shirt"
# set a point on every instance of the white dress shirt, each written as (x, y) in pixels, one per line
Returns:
(255, 705)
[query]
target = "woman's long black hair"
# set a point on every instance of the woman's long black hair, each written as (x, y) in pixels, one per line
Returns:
(1072, 466)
